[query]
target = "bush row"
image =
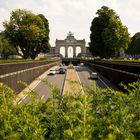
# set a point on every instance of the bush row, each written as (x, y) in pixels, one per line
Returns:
(97, 114)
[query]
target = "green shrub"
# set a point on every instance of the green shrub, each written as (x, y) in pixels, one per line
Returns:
(97, 114)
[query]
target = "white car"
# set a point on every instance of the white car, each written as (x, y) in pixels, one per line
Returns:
(52, 72)
(81, 64)
(93, 75)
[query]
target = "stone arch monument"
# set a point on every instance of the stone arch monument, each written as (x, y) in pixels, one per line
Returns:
(70, 47)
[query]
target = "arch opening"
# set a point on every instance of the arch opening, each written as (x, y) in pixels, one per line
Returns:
(70, 52)
(62, 51)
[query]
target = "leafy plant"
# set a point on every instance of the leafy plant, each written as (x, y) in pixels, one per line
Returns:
(97, 114)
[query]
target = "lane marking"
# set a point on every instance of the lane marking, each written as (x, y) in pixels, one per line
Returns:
(99, 78)
(103, 82)
(22, 99)
(32, 86)
(36, 84)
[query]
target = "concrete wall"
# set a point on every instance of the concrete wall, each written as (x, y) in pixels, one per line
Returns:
(13, 67)
(25, 75)
(115, 76)
(125, 66)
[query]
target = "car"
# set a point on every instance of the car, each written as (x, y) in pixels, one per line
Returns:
(52, 72)
(62, 70)
(57, 70)
(81, 64)
(93, 75)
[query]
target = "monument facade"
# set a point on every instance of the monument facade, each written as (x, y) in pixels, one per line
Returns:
(70, 47)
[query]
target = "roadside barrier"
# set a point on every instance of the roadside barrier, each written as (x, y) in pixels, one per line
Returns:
(13, 67)
(26, 75)
(115, 76)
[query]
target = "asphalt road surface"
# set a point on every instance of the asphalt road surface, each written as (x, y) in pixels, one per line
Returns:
(84, 76)
(44, 91)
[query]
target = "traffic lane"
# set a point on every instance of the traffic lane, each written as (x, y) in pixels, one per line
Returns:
(103, 82)
(43, 89)
(84, 75)
(55, 80)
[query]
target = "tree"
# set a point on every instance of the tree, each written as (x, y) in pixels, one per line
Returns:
(134, 47)
(108, 34)
(6, 48)
(29, 33)
(45, 42)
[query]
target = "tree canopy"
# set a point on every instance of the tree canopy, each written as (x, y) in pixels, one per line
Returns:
(134, 47)
(108, 34)
(6, 48)
(29, 33)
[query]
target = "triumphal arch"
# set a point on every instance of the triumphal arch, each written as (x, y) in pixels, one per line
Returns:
(70, 47)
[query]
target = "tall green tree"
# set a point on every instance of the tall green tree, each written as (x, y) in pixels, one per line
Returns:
(134, 47)
(6, 48)
(27, 32)
(108, 34)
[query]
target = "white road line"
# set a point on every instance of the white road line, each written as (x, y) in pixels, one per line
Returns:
(32, 86)
(100, 79)
(103, 82)
(36, 84)
(22, 99)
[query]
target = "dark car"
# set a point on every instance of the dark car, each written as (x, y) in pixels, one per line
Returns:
(62, 70)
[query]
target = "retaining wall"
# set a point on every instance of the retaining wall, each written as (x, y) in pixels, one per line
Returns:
(115, 76)
(124, 66)
(13, 67)
(25, 75)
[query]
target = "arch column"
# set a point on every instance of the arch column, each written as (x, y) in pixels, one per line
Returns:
(78, 50)
(66, 51)
(74, 51)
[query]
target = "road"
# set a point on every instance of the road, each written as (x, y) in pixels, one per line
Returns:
(84, 76)
(43, 90)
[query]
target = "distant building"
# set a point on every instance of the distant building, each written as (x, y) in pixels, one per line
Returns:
(69, 47)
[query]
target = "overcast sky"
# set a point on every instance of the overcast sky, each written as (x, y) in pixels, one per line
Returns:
(74, 15)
